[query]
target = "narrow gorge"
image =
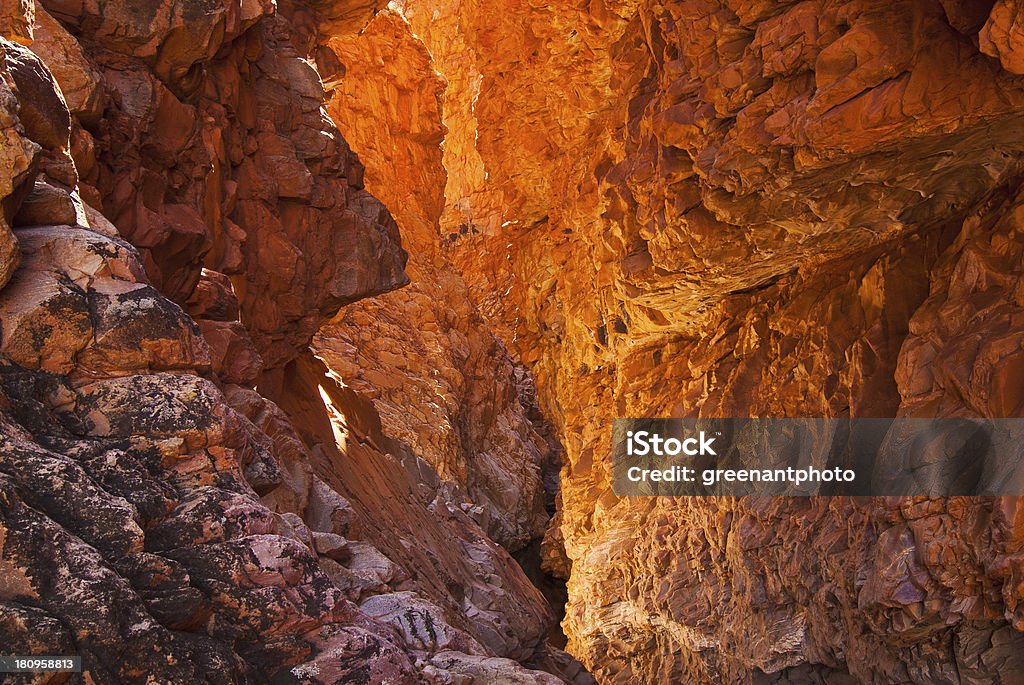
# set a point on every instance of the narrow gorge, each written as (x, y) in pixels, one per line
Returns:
(315, 316)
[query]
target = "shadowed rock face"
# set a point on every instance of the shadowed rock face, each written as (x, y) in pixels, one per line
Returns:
(180, 215)
(191, 150)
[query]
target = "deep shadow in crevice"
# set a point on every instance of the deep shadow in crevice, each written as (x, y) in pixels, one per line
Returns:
(553, 588)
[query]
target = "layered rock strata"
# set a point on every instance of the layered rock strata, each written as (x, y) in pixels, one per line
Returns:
(722, 208)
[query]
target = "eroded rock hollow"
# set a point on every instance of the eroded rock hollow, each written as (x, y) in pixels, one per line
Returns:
(315, 314)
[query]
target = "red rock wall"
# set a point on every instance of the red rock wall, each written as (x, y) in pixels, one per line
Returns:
(186, 494)
(441, 381)
(752, 209)
(721, 208)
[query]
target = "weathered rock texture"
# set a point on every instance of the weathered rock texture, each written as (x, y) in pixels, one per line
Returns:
(736, 208)
(186, 493)
(695, 207)
(441, 381)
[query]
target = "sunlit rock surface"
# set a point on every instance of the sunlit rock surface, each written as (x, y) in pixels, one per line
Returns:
(752, 209)
(441, 381)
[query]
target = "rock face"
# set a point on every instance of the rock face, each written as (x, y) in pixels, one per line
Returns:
(186, 495)
(191, 151)
(243, 439)
(751, 209)
(441, 381)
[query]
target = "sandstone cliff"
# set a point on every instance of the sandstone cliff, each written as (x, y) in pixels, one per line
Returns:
(440, 379)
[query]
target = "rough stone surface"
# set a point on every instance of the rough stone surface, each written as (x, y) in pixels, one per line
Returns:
(429, 545)
(80, 82)
(640, 207)
(441, 381)
(1001, 36)
(213, 129)
(16, 18)
(187, 216)
(736, 208)
(17, 161)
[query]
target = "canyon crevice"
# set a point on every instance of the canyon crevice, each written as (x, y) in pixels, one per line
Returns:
(316, 314)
